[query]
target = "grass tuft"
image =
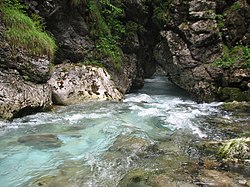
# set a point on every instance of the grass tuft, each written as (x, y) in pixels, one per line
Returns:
(24, 33)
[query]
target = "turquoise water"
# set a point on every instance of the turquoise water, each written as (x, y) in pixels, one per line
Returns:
(86, 135)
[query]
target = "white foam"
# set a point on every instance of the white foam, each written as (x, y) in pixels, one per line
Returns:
(149, 112)
(138, 98)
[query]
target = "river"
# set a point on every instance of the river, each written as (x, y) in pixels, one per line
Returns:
(102, 143)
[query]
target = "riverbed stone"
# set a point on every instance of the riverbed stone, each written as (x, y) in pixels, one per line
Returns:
(213, 178)
(41, 141)
(136, 178)
(75, 83)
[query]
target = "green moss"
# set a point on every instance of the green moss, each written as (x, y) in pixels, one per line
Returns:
(236, 106)
(220, 18)
(24, 33)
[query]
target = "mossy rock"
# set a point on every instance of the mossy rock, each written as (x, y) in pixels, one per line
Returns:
(238, 148)
(237, 106)
(233, 94)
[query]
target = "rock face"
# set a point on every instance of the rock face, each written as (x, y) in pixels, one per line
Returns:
(23, 87)
(71, 27)
(190, 44)
(19, 97)
(72, 84)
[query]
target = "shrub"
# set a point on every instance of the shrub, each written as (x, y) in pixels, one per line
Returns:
(235, 6)
(106, 29)
(237, 55)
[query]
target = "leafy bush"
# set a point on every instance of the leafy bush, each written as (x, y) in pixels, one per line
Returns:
(235, 6)
(107, 29)
(24, 33)
(238, 55)
(161, 12)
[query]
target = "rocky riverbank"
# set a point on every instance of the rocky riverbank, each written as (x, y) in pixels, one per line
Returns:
(202, 46)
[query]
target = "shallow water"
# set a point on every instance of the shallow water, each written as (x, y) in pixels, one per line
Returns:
(92, 138)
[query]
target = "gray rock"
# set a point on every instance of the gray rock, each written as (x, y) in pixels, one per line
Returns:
(73, 83)
(187, 50)
(19, 97)
(23, 81)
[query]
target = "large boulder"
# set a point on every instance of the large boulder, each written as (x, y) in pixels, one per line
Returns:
(19, 97)
(74, 83)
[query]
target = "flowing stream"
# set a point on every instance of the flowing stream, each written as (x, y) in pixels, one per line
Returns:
(99, 143)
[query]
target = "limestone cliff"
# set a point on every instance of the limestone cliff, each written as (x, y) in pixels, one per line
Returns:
(196, 37)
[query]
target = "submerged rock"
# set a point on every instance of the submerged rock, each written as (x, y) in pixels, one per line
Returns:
(41, 141)
(72, 84)
(135, 178)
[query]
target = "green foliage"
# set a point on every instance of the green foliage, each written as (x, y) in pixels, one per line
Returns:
(22, 32)
(112, 13)
(246, 55)
(161, 12)
(220, 20)
(108, 46)
(107, 29)
(14, 4)
(235, 6)
(238, 55)
(131, 28)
